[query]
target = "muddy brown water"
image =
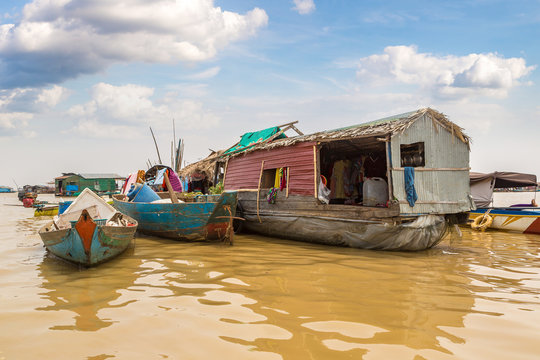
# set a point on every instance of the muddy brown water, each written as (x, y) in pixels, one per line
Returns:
(474, 297)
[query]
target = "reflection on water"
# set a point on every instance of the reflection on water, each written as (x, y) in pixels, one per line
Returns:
(472, 297)
(84, 292)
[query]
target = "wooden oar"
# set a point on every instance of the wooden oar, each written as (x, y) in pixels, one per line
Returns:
(172, 194)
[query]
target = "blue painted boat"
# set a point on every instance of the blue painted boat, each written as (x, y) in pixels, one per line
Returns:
(6, 189)
(208, 217)
(89, 232)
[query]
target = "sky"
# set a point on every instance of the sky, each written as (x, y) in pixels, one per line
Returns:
(82, 81)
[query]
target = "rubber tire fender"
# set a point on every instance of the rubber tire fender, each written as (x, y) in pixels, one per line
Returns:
(481, 222)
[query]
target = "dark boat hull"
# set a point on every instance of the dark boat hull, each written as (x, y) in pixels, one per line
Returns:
(303, 218)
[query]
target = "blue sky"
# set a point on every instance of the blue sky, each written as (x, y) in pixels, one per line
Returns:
(82, 81)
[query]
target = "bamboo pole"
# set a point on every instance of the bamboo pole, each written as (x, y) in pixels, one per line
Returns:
(172, 155)
(155, 143)
(315, 170)
(389, 169)
(174, 132)
(225, 171)
(259, 191)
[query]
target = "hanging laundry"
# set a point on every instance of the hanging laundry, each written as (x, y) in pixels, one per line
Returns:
(409, 186)
(337, 181)
(159, 180)
(375, 166)
(283, 183)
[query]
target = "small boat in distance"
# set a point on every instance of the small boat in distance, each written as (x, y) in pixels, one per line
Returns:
(204, 217)
(524, 218)
(89, 231)
(6, 189)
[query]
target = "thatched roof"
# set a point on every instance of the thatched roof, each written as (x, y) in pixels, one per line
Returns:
(387, 126)
(390, 125)
(206, 165)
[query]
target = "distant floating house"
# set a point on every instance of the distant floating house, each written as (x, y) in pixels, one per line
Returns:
(71, 184)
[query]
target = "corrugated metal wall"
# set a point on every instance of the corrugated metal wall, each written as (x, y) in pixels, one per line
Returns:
(243, 171)
(442, 150)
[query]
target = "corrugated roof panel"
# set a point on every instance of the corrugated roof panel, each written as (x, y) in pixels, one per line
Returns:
(101, 176)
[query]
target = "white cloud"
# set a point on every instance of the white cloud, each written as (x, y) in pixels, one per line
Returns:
(61, 39)
(14, 123)
(206, 74)
(304, 7)
(128, 110)
(51, 97)
(389, 18)
(445, 76)
(19, 106)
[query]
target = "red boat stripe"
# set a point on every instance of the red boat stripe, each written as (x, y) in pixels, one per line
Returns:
(534, 228)
(85, 227)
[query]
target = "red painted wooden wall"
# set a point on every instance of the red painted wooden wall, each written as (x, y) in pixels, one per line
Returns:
(243, 171)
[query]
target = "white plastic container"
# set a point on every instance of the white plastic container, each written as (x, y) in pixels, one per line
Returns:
(375, 191)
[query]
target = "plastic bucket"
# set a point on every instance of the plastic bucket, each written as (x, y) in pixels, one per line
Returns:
(142, 193)
(62, 206)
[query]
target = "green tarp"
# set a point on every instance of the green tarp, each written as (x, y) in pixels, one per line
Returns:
(251, 138)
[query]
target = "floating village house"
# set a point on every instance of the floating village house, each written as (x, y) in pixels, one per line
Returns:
(393, 183)
(71, 184)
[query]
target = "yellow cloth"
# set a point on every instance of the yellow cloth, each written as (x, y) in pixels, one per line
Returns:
(140, 176)
(277, 181)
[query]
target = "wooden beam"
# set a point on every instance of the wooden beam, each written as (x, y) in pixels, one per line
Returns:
(289, 123)
(431, 202)
(259, 191)
(297, 131)
(433, 169)
(225, 171)
(174, 199)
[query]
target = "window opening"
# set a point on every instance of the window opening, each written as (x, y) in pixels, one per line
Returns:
(412, 155)
(268, 178)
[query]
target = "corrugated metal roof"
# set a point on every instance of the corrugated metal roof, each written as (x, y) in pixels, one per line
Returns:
(101, 176)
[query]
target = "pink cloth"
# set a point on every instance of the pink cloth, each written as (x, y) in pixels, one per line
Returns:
(175, 181)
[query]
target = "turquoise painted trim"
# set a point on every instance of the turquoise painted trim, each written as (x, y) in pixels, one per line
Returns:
(188, 220)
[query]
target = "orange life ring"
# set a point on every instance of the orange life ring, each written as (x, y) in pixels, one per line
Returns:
(323, 179)
(481, 222)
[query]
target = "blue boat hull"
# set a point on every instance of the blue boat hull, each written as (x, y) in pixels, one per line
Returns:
(106, 243)
(183, 221)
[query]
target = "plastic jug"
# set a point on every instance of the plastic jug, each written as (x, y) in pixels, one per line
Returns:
(375, 191)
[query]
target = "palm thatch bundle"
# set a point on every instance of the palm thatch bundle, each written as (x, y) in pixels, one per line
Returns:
(206, 166)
